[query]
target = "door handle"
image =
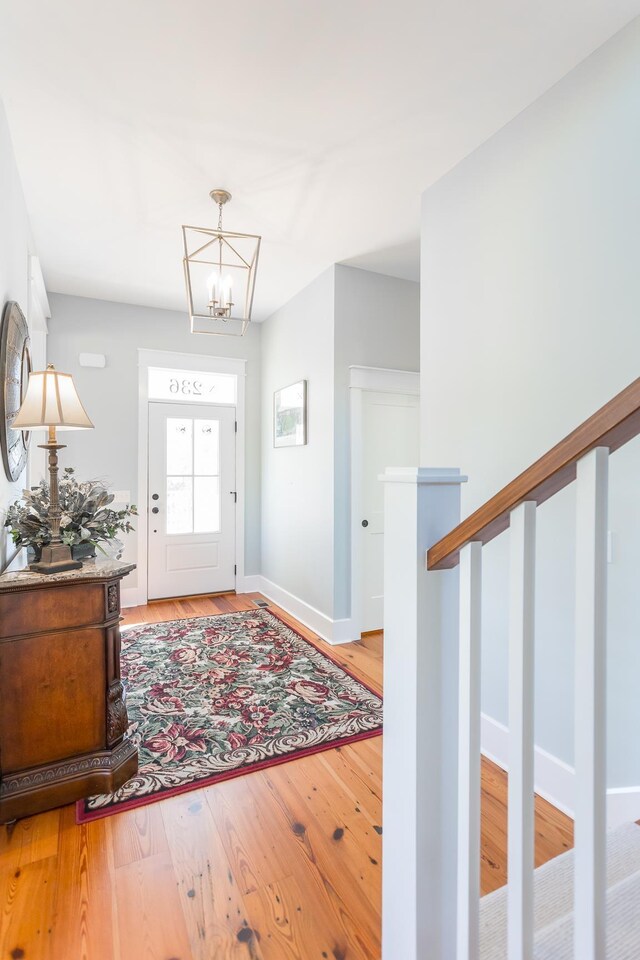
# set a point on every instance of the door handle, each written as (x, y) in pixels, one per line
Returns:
(155, 496)
(155, 510)
(365, 523)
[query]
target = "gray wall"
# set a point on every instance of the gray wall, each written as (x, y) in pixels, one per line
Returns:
(530, 322)
(297, 482)
(80, 325)
(377, 324)
(346, 317)
(15, 247)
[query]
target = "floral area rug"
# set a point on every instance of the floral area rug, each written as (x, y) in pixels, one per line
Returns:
(211, 698)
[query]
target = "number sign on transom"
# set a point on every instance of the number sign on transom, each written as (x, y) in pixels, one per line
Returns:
(190, 386)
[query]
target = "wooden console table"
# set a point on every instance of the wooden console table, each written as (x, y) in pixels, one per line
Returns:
(62, 713)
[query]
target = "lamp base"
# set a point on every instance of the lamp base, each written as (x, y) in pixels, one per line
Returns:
(56, 558)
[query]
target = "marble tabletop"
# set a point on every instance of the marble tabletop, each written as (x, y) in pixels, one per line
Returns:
(90, 570)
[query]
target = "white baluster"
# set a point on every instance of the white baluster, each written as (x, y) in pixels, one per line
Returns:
(468, 947)
(590, 706)
(420, 714)
(522, 536)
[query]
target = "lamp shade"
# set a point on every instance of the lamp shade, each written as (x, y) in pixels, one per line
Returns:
(51, 400)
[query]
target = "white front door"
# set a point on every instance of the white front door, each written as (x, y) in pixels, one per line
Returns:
(192, 499)
(390, 438)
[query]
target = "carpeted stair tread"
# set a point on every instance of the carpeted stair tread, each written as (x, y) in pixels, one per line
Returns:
(553, 886)
(555, 942)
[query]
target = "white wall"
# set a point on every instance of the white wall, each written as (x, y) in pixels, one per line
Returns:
(297, 482)
(80, 325)
(530, 322)
(16, 246)
(377, 324)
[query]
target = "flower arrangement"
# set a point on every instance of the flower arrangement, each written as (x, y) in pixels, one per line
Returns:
(87, 518)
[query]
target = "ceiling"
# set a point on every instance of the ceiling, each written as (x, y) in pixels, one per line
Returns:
(324, 118)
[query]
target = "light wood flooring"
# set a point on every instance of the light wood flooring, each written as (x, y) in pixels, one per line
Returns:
(280, 864)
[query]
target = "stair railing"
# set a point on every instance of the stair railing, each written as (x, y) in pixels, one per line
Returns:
(432, 754)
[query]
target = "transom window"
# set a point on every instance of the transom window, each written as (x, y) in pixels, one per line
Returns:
(191, 386)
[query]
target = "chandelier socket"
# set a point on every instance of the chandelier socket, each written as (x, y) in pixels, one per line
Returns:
(220, 196)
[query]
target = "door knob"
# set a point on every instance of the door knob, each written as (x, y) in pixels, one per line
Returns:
(365, 523)
(155, 496)
(155, 510)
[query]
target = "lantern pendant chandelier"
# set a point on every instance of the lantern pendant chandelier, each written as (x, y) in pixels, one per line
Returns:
(220, 275)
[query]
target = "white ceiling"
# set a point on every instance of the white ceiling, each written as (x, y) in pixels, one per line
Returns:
(325, 119)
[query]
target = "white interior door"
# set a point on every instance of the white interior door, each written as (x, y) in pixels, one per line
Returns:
(390, 438)
(191, 546)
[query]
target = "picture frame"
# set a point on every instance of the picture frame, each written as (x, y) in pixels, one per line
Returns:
(290, 415)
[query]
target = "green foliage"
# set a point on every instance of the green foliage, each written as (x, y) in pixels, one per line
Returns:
(87, 516)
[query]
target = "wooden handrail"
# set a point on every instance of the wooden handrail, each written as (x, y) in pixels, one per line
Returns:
(612, 426)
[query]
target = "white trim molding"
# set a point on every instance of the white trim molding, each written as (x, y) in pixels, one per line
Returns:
(38, 294)
(382, 380)
(132, 597)
(334, 632)
(555, 779)
(191, 361)
(364, 380)
(206, 364)
(38, 313)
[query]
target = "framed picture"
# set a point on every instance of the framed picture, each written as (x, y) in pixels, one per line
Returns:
(290, 415)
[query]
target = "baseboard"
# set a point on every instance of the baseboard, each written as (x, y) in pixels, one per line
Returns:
(333, 631)
(623, 805)
(554, 779)
(251, 583)
(131, 597)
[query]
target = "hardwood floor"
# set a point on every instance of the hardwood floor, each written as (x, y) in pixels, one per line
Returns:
(281, 864)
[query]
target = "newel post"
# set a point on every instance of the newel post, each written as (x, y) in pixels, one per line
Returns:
(420, 718)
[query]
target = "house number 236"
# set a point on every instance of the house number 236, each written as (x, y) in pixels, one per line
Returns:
(186, 387)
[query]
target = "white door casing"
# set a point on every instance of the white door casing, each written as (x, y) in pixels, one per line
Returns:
(192, 499)
(38, 312)
(390, 438)
(384, 433)
(171, 360)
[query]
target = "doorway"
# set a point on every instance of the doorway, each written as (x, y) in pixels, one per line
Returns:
(384, 433)
(195, 380)
(192, 499)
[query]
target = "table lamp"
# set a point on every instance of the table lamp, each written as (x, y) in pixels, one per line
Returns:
(51, 402)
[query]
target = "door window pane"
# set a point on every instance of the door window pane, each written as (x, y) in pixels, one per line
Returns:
(206, 447)
(179, 446)
(179, 505)
(206, 506)
(193, 475)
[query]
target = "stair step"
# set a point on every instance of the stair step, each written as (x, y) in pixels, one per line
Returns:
(553, 906)
(555, 942)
